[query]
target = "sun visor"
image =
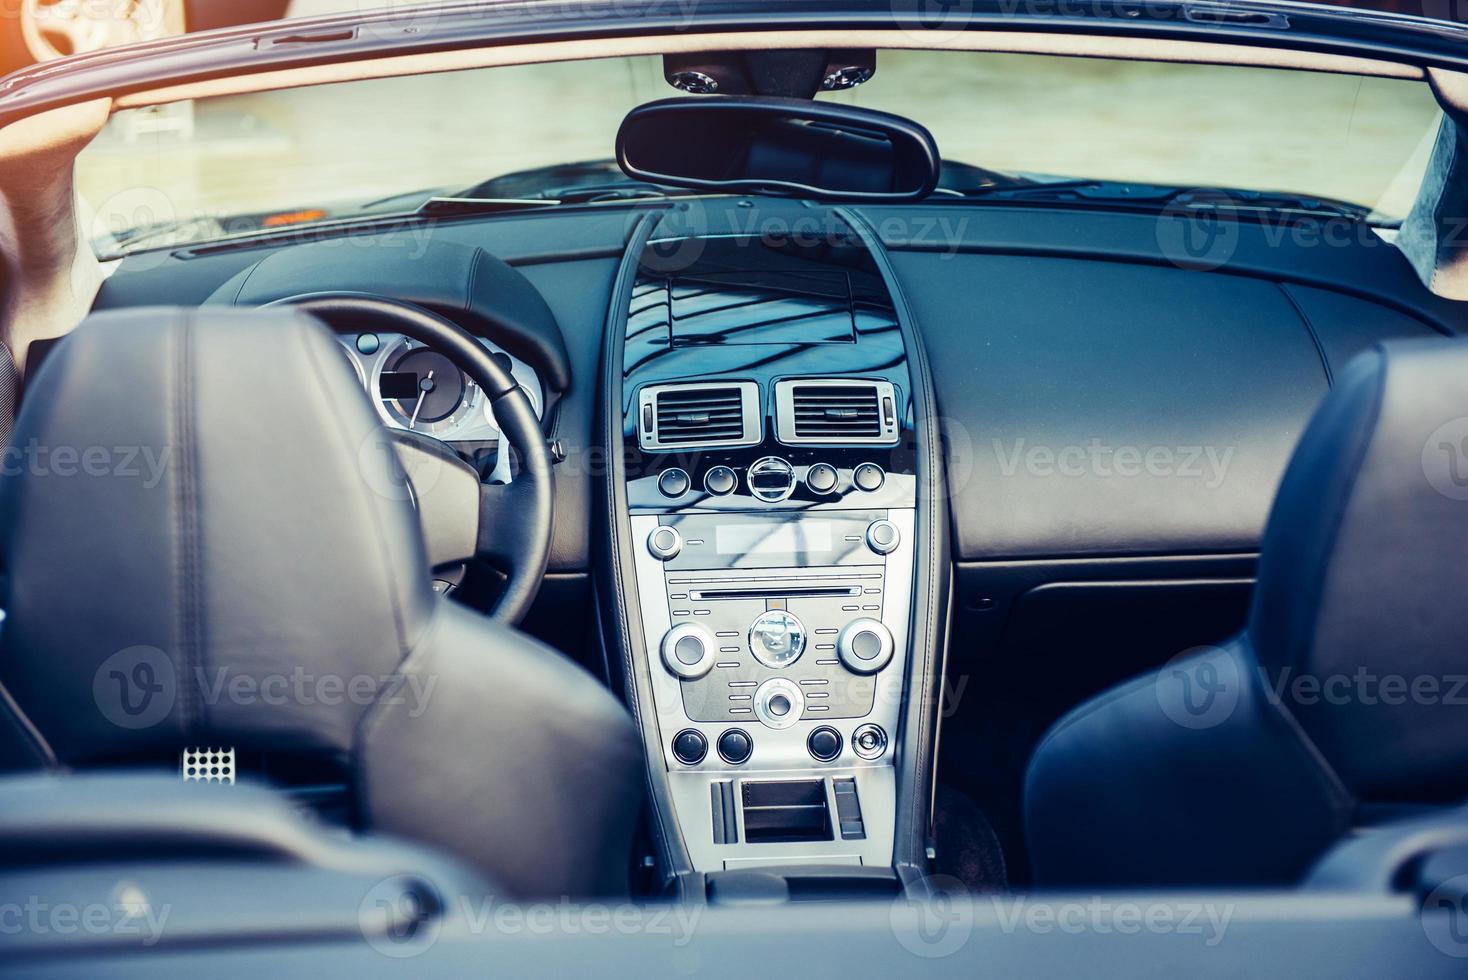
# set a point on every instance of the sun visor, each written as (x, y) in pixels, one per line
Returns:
(1434, 237)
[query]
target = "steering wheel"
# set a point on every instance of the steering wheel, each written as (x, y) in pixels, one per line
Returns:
(508, 526)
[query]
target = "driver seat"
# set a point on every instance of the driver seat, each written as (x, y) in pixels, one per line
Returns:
(1341, 705)
(206, 544)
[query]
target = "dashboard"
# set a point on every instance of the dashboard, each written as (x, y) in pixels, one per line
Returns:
(1040, 329)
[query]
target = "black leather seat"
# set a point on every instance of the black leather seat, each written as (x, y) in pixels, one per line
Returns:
(1345, 695)
(205, 544)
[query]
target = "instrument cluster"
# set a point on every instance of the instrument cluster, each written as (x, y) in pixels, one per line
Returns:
(418, 388)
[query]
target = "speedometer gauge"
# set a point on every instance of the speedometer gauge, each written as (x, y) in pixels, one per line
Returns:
(420, 389)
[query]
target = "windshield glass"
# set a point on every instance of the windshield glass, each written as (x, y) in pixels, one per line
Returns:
(201, 170)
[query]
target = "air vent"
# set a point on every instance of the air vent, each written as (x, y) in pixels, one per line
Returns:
(693, 416)
(836, 412)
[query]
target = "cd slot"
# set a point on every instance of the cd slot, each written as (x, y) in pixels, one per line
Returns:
(778, 592)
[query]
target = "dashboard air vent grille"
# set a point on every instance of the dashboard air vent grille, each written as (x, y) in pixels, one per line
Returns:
(696, 415)
(836, 411)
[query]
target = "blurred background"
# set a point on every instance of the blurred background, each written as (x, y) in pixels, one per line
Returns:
(289, 155)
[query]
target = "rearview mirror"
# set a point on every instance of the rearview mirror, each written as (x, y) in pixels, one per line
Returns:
(792, 146)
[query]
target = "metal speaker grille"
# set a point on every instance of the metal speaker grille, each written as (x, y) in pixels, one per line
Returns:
(210, 764)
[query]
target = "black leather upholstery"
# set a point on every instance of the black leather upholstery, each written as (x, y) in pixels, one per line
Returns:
(1244, 763)
(242, 547)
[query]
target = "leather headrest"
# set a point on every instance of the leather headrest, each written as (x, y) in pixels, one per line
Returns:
(1360, 618)
(205, 538)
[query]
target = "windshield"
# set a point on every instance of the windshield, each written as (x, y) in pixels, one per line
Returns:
(201, 170)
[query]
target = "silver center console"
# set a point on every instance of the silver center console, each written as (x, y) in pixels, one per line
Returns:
(768, 566)
(777, 648)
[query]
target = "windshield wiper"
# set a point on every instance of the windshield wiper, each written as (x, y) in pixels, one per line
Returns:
(1157, 196)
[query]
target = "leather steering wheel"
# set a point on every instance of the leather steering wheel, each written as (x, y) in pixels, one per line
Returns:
(507, 525)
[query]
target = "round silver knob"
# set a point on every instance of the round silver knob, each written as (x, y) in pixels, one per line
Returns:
(688, 651)
(869, 742)
(779, 703)
(882, 537)
(864, 646)
(777, 638)
(664, 542)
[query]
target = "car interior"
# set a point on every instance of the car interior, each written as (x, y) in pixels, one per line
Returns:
(773, 520)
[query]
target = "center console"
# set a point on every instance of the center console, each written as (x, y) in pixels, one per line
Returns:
(770, 536)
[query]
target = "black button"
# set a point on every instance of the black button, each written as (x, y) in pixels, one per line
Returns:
(720, 480)
(869, 477)
(735, 747)
(674, 482)
(779, 705)
(824, 744)
(689, 747)
(821, 478)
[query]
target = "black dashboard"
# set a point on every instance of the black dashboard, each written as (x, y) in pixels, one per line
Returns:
(1051, 326)
(1112, 418)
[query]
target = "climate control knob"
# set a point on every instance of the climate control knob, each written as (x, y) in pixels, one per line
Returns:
(864, 646)
(688, 651)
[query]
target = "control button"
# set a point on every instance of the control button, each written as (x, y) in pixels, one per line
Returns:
(689, 747)
(735, 747)
(821, 478)
(368, 343)
(674, 482)
(777, 638)
(869, 742)
(824, 744)
(688, 651)
(720, 481)
(779, 703)
(771, 479)
(869, 477)
(664, 543)
(864, 646)
(882, 537)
